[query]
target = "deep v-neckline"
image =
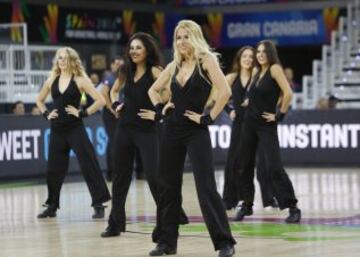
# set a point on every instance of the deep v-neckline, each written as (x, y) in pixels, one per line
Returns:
(261, 77)
(244, 85)
(188, 79)
(142, 75)
(62, 93)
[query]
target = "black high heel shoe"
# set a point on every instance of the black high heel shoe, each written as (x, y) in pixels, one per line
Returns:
(163, 249)
(294, 215)
(245, 210)
(99, 212)
(110, 232)
(227, 251)
(49, 212)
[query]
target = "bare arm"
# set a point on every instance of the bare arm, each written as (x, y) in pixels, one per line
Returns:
(86, 86)
(230, 78)
(43, 94)
(160, 84)
(211, 65)
(278, 75)
(104, 91)
(115, 90)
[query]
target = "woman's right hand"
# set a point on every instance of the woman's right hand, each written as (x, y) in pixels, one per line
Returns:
(53, 114)
(167, 108)
(119, 108)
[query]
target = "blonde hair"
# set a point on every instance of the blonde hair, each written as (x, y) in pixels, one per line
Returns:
(197, 40)
(75, 66)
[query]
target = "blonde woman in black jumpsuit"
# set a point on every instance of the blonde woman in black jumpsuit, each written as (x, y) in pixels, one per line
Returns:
(260, 130)
(66, 83)
(191, 75)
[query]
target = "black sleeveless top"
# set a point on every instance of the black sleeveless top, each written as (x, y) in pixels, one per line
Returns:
(192, 96)
(238, 97)
(264, 95)
(135, 98)
(71, 96)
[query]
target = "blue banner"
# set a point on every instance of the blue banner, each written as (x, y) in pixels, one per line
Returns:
(285, 28)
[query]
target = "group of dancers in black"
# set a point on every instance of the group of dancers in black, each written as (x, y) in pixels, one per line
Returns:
(162, 117)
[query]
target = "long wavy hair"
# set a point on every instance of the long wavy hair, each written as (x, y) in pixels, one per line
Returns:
(271, 52)
(197, 41)
(153, 56)
(236, 66)
(74, 64)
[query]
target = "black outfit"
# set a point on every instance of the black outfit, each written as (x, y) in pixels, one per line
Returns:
(262, 135)
(133, 134)
(181, 136)
(232, 193)
(110, 124)
(68, 132)
(231, 179)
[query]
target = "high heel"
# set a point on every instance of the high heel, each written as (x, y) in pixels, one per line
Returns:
(50, 212)
(163, 249)
(99, 212)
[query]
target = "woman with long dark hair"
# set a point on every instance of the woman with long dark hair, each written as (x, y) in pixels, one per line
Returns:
(240, 79)
(260, 131)
(136, 128)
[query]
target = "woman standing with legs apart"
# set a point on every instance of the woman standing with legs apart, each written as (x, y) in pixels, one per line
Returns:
(240, 79)
(260, 131)
(190, 76)
(136, 128)
(66, 83)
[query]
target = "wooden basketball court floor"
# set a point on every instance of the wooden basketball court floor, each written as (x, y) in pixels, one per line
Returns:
(329, 199)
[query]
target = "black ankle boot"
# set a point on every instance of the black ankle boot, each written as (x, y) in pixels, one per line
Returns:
(245, 210)
(111, 231)
(50, 212)
(163, 249)
(99, 212)
(183, 220)
(227, 251)
(294, 215)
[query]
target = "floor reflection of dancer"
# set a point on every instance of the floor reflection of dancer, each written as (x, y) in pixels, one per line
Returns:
(190, 75)
(66, 83)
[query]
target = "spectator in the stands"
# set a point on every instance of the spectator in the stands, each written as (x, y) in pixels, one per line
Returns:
(332, 102)
(35, 110)
(94, 77)
(18, 108)
(289, 74)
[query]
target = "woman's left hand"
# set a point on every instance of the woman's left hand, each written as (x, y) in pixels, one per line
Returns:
(72, 110)
(195, 117)
(146, 114)
(269, 117)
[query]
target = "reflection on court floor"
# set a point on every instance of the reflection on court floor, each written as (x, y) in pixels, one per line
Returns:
(329, 199)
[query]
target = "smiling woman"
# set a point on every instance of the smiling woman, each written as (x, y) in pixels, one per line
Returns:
(65, 84)
(190, 78)
(136, 129)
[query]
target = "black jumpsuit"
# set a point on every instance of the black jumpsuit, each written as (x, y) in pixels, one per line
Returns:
(232, 193)
(257, 133)
(181, 136)
(133, 133)
(68, 132)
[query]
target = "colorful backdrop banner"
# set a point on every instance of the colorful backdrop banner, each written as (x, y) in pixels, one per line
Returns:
(204, 3)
